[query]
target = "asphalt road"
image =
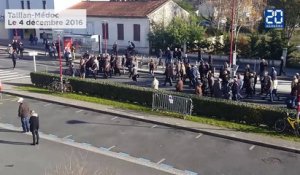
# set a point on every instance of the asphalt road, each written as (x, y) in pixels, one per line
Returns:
(51, 158)
(181, 149)
(25, 66)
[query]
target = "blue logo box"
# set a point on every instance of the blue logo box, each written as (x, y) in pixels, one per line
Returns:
(274, 18)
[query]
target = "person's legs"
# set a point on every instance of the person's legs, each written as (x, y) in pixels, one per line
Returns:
(33, 137)
(23, 124)
(37, 136)
(14, 63)
(27, 124)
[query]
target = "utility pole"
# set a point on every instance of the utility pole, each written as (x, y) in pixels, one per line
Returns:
(231, 34)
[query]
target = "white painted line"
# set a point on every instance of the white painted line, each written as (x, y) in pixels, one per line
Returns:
(68, 136)
(154, 126)
(79, 111)
(48, 104)
(19, 77)
(13, 99)
(252, 147)
(121, 156)
(198, 136)
(159, 162)
(111, 148)
(10, 76)
(114, 118)
(8, 73)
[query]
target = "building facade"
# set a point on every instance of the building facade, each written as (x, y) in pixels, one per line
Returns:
(127, 21)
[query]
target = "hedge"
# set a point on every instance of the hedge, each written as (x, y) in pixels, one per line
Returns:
(243, 112)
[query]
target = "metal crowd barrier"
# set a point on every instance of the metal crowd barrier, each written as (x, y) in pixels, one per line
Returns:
(172, 103)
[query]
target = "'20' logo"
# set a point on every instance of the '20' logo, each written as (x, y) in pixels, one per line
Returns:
(274, 18)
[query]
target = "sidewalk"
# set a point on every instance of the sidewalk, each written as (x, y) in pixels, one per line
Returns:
(255, 139)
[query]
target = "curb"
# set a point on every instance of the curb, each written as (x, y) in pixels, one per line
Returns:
(195, 130)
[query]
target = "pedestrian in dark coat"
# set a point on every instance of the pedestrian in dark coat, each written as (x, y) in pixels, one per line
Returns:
(235, 90)
(34, 127)
(169, 74)
(179, 86)
(217, 89)
(14, 58)
(281, 71)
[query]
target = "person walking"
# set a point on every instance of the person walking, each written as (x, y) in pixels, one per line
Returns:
(24, 113)
(44, 36)
(115, 48)
(21, 49)
(169, 74)
(151, 67)
(155, 83)
(179, 85)
(14, 58)
(135, 73)
(281, 70)
(34, 127)
(235, 90)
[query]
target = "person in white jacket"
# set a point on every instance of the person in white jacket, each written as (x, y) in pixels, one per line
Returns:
(155, 83)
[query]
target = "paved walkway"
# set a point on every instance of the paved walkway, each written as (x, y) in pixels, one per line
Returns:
(251, 138)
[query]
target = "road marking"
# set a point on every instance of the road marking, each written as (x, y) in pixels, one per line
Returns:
(13, 99)
(111, 148)
(121, 156)
(19, 77)
(79, 111)
(252, 147)
(159, 162)
(198, 136)
(114, 118)
(47, 104)
(68, 136)
(154, 126)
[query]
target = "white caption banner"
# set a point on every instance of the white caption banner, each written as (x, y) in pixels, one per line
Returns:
(45, 19)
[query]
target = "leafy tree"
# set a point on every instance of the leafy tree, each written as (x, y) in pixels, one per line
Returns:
(253, 45)
(292, 15)
(158, 36)
(276, 44)
(177, 33)
(186, 6)
(263, 48)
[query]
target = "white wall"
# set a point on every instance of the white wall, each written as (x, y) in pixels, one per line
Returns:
(167, 12)
(94, 25)
(64, 4)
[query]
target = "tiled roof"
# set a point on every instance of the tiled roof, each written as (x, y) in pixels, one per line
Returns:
(138, 9)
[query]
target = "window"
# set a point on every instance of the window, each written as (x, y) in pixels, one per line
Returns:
(28, 4)
(44, 4)
(136, 32)
(120, 31)
(22, 5)
(105, 31)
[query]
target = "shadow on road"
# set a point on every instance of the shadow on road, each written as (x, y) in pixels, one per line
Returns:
(13, 142)
(6, 130)
(139, 126)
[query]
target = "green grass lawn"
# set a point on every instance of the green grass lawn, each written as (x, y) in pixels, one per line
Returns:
(138, 108)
